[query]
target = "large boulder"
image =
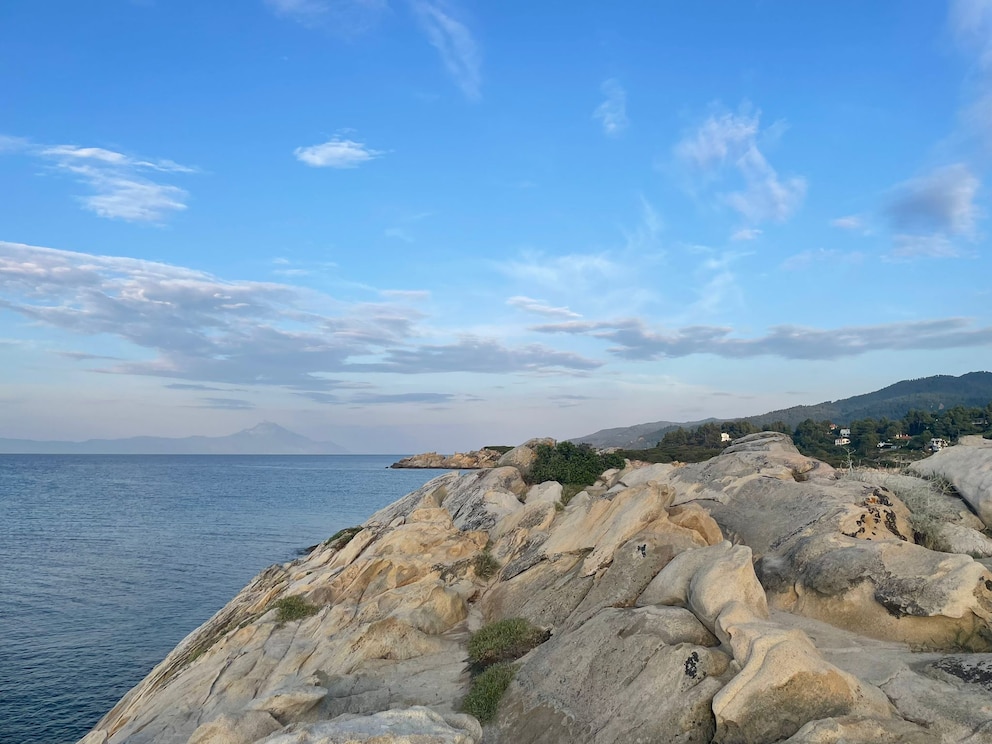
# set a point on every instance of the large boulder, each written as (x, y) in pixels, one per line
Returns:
(524, 456)
(968, 466)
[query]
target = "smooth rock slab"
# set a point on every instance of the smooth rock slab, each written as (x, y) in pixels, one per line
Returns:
(416, 725)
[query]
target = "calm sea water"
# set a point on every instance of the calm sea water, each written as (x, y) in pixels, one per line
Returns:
(107, 562)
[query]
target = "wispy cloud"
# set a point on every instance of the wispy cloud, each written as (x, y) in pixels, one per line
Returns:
(337, 152)
(573, 270)
(474, 354)
(347, 17)
(207, 330)
(728, 143)
(227, 404)
(540, 307)
(454, 42)
(123, 186)
(971, 24)
(612, 113)
(805, 259)
(851, 222)
(746, 233)
(634, 340)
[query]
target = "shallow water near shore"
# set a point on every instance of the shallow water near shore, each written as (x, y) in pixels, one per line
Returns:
(108, 561)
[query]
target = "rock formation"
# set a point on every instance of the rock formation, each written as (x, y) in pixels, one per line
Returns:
(754, 598)
(477, 459)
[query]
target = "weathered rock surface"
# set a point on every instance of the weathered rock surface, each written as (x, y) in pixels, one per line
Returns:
(754, 598)
(968, 466)
(474, 460)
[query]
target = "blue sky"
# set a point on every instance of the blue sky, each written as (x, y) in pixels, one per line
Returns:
(415, 224)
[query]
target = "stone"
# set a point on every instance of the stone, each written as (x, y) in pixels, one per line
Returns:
(623, 675)
(413, 725)
(242, 728)
(549, 491)
(861, 730)
(968, 466)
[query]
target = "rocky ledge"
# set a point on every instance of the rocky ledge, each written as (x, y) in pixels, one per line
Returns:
(476, 459)
(757, 597)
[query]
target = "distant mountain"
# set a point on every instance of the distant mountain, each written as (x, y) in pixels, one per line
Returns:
(264, 439)
(927, 394)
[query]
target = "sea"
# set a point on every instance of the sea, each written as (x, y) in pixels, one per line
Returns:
(108, 561)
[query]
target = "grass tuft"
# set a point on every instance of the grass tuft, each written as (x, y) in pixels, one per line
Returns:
(504, 640)
(485, 564)
(294, 608)
(487, 690)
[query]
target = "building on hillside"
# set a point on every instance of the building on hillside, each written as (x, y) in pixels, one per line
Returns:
(902, 437)
(724, 436)
(937, 444)
(841, 441)
(845, 432)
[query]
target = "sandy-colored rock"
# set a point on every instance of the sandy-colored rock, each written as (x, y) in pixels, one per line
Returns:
(660, 629)
(968, 465)
(477, 459)
(624, 675)
(523, 457)
(549, 491)
(414, 725)
(861, 730)
(242, 728)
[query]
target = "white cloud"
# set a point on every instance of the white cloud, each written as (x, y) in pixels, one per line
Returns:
(906, 247)
(804, 260)
(399, 233)
(851, 222)
(347, 17)
(336, 153)
(540, 307)
(205, 329)
(577, 270)
(454, 42)
(612, 112)
(121, 186)
(728, 143)
(634, 340)
(746, 233)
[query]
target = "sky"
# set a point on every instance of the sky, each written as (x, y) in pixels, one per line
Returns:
(408, 225)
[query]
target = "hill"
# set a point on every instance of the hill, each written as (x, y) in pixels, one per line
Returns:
(265, 438)
(926, 393)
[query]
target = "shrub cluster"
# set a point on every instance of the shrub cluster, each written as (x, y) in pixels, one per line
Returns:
(570, 463)
(342, 537)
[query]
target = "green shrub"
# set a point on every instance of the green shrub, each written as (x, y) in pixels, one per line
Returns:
(342, 537)
(504, 640)
(485, 565)
(487, 690)
(294, 608)
(571, 463)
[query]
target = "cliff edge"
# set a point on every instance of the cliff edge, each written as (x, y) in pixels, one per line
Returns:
(756, 597)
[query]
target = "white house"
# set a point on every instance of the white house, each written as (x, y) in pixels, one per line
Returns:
(841, 441)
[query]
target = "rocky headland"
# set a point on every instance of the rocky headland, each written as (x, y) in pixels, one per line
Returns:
(758, 597)
(474, 460)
